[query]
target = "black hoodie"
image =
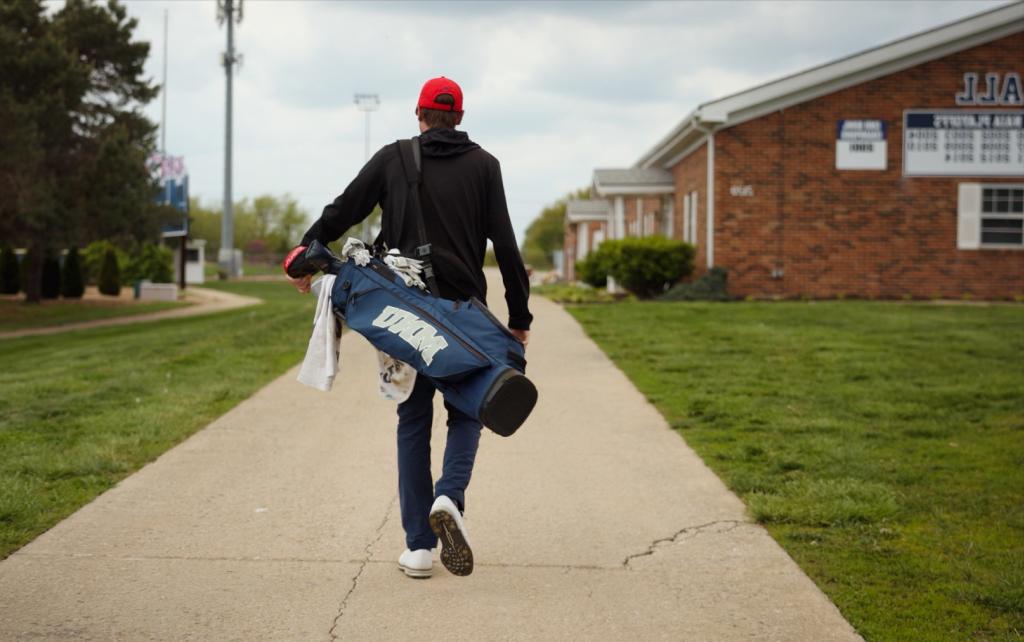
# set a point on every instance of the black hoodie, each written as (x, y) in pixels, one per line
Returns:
(463, 203)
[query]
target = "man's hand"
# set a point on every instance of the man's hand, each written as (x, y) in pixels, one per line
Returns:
(302, 284)
(522, 335)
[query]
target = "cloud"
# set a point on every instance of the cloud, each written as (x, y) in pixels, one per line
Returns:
(553, 89)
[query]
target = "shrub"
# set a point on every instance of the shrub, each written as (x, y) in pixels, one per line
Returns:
(72, 284)
(151, 263)
(109, 279)
(49, 287)
(93, 256)
(710, 287)
(646, 266)
(10, 272)
(594, 269)
(26, 262)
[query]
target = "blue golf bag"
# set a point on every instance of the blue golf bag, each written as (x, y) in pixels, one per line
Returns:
(470, 356)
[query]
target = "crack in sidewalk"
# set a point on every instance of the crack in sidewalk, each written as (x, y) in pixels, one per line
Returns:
(362, 567)
(693, 531)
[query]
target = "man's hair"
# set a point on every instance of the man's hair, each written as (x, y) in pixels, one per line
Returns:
(438, 118)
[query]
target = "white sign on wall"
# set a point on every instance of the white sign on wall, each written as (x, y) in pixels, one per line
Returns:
(963, 142)
(861, 144)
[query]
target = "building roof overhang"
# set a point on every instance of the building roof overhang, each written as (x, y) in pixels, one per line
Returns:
(830, 77)
(589, 210)
(632, 180)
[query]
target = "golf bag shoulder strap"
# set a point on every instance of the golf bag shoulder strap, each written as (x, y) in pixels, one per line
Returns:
(409, 149)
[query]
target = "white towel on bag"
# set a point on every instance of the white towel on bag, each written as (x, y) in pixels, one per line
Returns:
(320, 365)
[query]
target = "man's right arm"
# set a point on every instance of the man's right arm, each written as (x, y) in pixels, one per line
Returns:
(367, 189)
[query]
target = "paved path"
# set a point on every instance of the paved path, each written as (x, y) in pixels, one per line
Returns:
(279, 521)
(203, 300)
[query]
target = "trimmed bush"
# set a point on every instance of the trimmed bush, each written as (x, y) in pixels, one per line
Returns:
(92, 259)
(151, 263)
(49, 287)
(710, 287)
(648, 266)
(25, 268)
(10, 272)
(594, 269)
(72, 284)
(109, 279)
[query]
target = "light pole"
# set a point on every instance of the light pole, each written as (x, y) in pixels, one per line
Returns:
(230, 12)
(367, 103)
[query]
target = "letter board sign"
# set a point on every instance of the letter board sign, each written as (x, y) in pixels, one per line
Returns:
(963, 142)
(861, 144)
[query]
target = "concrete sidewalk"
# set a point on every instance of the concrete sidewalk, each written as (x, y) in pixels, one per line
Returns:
(279, 521)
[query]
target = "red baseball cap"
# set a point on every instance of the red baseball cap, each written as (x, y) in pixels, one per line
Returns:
(434, 88)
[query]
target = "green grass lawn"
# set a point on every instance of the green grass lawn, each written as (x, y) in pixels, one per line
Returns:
(16, 315)
(211, 269)
(882, 445)
(79, 412)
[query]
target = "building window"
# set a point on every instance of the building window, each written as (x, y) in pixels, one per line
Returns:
(990, 216)
(1002, 215)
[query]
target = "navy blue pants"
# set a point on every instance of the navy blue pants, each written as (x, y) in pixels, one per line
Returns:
(416, 490)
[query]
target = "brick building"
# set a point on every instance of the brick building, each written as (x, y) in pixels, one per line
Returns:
(895, 171)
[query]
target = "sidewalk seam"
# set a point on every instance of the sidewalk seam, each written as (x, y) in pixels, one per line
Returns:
(362, 566)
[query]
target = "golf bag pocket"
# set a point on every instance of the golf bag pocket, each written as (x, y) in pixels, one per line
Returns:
(410, 331)
(478, 321)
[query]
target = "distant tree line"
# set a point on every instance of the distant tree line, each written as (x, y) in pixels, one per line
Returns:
(73, 138)
(264, 226)
(546, 234)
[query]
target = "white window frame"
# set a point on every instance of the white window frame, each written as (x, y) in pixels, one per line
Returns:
(694, 206)
(686, 218)
(970, 198)
(667, 214)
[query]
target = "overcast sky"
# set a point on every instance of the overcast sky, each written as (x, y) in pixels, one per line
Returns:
(553, 89)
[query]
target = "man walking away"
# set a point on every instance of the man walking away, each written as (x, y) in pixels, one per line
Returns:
(463, 205)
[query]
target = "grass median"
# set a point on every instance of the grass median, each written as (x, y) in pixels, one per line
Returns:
(15, 314)
(81, 411)
(881, 444)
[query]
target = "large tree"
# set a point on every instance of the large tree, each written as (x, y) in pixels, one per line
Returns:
(73, 139)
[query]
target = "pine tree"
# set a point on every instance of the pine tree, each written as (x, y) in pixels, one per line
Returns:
(50, 286)
(10, 273)
(72, 283)
(110, 275)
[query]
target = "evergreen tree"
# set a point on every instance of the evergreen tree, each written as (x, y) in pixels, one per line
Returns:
(26, 260)
(10, 273)
(74, 139)
(50, 285)
(72, 284)
(110, 275)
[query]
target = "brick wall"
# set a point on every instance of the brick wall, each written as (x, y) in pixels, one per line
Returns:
(855, 233)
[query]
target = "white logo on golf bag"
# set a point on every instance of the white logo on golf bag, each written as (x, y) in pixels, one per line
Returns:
(416, 332)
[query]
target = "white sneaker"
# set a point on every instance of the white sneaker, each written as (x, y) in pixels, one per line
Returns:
(447, 524)
(418, 563)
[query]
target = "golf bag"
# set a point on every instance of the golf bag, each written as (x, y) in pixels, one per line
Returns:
(470, 356)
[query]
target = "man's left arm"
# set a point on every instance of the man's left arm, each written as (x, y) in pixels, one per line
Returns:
(354, 204)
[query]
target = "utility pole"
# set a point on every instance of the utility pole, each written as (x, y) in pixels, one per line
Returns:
(228, 11)
(163, 97)
(367, 103)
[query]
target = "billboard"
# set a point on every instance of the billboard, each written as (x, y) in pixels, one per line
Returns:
(170, 172)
